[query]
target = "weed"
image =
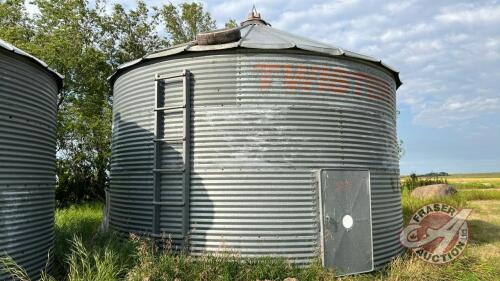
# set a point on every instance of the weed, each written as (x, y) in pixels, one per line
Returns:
(82, 252)
(101, 264)
(16, 271)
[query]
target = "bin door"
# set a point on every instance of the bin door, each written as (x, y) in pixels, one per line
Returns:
(346, 226)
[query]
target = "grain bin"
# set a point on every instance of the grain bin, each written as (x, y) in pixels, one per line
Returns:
(263, 144)
(28, 97)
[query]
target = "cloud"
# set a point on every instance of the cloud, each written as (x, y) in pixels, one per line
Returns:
(469, 15)
(407, 31)
(398, 6)
(445, 50)
(456, 110)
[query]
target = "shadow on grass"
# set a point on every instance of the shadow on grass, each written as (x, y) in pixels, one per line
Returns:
(483, 232)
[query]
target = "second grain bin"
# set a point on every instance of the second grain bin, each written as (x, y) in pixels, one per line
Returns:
(259, 142)
(28, 98)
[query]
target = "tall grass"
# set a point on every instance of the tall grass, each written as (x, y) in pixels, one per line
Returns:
(469, 195)
(411, 204)
(101, 264)
(474, 185)
(82, 252)
(163, 264)
(94, 255)
(16, 271)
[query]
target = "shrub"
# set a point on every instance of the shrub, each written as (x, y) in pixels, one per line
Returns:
(413, 181)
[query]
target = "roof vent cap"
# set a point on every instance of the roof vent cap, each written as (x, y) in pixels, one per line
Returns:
(254, 18)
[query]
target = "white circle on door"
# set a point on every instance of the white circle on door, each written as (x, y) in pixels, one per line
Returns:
(347, 221)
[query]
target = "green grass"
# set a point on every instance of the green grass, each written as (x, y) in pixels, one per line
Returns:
(473, 185)
(475, 181)
(470, 195)
(167, 266)
(411, 204)
(82, 252)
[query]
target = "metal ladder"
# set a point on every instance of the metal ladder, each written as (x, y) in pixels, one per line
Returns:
(161, 84)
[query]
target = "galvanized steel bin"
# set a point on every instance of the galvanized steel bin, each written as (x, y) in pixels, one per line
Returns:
(28, 97)
(261, 117)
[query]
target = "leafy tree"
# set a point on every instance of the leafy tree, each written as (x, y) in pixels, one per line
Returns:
(86, 44)
(182, 26)
(231, 24)
(69, 35)
(16, 26)
(132, 34)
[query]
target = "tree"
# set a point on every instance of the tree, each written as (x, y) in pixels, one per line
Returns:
(132, 34)
(86, 44)
(69, 36)
(182, 26)
(231, 23)
(16, 26)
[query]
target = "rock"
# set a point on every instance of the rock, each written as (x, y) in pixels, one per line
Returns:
(433, 190)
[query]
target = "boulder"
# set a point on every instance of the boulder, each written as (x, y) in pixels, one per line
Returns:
(433, 190)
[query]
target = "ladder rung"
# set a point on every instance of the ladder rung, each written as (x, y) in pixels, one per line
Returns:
(168, 203)
(160, 77)
(171, 140)
(169, 171)
(170, 108)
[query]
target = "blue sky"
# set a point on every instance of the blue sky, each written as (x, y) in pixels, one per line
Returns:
(448, 54)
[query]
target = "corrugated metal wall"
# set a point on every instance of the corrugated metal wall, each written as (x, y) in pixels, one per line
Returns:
(262, 125)
(28, 95)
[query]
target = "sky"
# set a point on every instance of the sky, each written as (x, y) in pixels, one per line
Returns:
(448, 55)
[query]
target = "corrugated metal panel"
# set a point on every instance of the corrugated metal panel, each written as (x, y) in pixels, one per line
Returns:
(263, 37)
(58, 77)
(262, 124)
(28, 94)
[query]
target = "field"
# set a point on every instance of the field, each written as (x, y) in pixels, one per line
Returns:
(83, 252)
(481, 186)
(472, 181)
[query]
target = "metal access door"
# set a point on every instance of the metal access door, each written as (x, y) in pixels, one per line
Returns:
(346, 225)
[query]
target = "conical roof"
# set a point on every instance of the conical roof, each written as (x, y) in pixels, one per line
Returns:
(258, 34)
